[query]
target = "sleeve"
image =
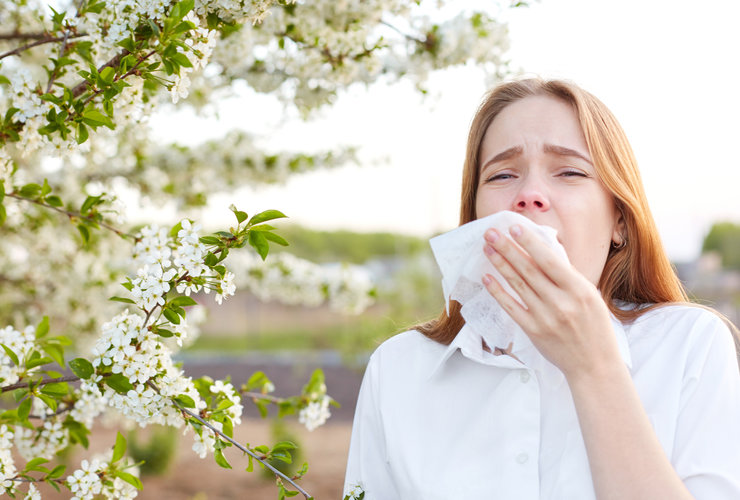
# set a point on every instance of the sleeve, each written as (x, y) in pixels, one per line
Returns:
(707, 441)
(367, 467)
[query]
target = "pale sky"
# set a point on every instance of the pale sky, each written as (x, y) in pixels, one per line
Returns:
(668, 70)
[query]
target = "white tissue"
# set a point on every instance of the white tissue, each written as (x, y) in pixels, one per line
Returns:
(459, 254)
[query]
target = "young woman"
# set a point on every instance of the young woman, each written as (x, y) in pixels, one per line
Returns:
(442, 415)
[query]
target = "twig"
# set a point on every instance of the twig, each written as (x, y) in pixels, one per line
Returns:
(62, 49)
(21, 385)
(71, 214)
(33, 480)
(405, 35)
(242, 448)
(39, 42)
(259, 395)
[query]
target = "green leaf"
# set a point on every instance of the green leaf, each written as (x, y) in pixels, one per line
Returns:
(24, 409)
(163, 332)
(82, 368)
(185, 400)
(171, 316)
(119, 449)
(93, 117)
(56, 472)
(210, 260)
(210, 240)
(84, 232)
(50, 402)
(259, 242)
(107, 75)
(43, 327)
(183, 301)
(3, 215)
(30, 190)
(182, 60)
(119, 383)
(89, 203)
(45, 188)
(82, 133)
(265, 216)
(122, 299)
(130, 479)
(175, 229)
(284, 446)
(54, 200)
(13, 357)
(277, 239)
(33, 465)
(37, 361)
(220, 459)
(55, 351)
(55, 389)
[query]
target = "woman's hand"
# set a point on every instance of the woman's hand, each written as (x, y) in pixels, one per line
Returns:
(565, 315)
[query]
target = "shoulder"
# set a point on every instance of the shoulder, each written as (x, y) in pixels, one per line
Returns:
(409, 346)
(681, 319)
(405, 356)
(681, 331)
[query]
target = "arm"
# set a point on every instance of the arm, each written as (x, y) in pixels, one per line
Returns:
(569, 323)
(367, 466)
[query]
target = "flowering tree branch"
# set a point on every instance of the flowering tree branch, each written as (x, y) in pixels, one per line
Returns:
(92, 217)
(260, 459)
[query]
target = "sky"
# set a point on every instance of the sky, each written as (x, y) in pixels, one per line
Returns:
(668, 70)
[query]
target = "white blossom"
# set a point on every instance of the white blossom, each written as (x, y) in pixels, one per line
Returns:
(315, 413)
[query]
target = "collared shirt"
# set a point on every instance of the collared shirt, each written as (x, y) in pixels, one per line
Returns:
(457, 422)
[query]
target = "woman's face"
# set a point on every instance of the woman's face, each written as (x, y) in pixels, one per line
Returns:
(534, 161)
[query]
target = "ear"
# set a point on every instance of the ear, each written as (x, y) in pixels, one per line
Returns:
(619, 235)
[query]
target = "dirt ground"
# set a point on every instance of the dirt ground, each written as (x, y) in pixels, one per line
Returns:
(193, 478)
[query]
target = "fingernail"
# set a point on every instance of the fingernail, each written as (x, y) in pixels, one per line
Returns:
(489, 250)
(515, 230)
(491, 236)
(486, 279)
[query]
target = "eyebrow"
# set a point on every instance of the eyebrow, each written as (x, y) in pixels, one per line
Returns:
(515, 151)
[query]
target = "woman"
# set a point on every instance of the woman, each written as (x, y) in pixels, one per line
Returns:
(442, 415)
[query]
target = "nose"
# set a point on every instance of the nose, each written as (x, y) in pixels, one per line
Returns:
(531, 198)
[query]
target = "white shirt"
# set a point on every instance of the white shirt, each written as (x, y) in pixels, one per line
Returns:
(457, 422)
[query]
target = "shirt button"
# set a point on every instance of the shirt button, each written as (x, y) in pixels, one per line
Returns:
(522, 458)
(524, 376)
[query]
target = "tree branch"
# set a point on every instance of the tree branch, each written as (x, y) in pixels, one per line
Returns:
(41, 41)
(239, 446)
(21, 385)
(71, 214)
(259, 395)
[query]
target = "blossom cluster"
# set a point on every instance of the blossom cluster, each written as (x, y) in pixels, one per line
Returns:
(22, 344)
(315, 413)
(92, 480)
(292, 280)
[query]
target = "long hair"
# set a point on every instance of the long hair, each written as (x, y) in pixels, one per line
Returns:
(637, 273)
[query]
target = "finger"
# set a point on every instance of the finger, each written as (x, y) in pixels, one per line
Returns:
(550, 263)
(514, 309)
(527, 294)
(520, 261)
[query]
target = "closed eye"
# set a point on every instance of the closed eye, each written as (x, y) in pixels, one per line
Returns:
(499, 177)
(573, 173)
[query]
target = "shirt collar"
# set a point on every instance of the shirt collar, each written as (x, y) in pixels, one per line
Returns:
(471, 346)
